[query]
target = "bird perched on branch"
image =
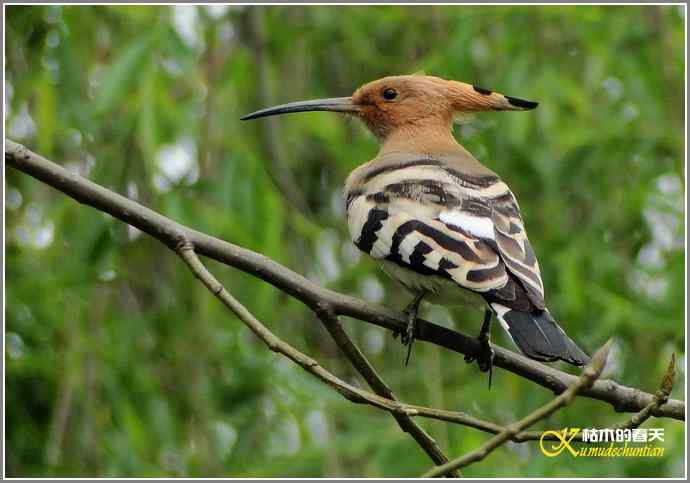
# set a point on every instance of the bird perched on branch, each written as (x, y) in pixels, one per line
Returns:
(439, 221)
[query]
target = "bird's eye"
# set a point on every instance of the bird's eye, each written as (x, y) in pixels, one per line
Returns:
(389, 94)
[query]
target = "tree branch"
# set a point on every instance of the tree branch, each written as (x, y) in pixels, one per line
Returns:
(622, 398)
(589, 375)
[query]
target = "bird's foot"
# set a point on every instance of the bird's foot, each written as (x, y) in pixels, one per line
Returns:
(485, 360)
(485, 356)
(407, 337)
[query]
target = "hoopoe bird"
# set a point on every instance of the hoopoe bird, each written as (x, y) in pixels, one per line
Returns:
(438, 221)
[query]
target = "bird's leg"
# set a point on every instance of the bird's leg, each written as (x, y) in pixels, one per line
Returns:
(407, 338)
(485, 358)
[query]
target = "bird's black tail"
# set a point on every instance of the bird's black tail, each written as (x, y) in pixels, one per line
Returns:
(538, 336)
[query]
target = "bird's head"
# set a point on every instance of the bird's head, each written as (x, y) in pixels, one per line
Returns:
(388, 104)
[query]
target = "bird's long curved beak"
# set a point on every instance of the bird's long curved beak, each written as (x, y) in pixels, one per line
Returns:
(334, 104)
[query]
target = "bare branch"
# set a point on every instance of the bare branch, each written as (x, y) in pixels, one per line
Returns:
(621, 397)
(589, 375)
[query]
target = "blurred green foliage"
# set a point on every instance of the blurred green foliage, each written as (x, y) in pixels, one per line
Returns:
(120, 364)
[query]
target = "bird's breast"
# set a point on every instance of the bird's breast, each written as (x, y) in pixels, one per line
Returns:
(439, 290)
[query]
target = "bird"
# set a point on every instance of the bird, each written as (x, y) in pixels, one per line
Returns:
(436, 219)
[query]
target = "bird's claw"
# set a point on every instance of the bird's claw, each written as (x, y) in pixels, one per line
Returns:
(485, 355)
(485, 361)
(407, 337)
(484, 358)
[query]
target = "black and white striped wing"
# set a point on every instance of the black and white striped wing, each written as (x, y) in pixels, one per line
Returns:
(514, 247)
(428, 246)
(499, 225)
(435, 223)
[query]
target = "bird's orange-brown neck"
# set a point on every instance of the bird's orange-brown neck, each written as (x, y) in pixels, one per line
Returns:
(421, 138)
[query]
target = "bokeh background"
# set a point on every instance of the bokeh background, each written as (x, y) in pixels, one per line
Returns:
(120, 364)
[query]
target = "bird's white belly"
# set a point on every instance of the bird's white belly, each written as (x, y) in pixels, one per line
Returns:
(439, 290)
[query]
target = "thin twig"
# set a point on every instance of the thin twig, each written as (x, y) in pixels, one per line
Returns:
(621, 397)
(364, 367)
(589, 375)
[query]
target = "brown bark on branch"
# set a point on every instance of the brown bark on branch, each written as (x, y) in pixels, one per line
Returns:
(622, 398)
